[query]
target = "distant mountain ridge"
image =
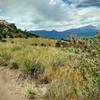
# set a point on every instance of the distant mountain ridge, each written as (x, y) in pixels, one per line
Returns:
(85, 31)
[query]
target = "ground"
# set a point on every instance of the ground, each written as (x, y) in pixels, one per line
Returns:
(9, 89)
(13, 88)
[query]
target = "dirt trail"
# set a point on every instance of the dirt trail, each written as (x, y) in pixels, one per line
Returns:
(8, 88)
(4, 92)
(12, 88)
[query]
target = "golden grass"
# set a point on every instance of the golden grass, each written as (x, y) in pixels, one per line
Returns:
(71, 75)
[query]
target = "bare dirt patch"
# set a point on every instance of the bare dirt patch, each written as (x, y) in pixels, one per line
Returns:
(9, 87)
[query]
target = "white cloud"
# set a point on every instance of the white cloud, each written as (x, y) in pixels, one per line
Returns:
(52, 2)
(46, 14)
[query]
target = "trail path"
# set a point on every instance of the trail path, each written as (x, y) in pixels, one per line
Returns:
(11, 88)
(8, 89)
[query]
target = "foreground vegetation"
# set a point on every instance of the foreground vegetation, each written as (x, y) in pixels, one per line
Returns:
(70, 68)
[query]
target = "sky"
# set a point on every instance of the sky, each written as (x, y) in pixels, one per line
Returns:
(50, 14)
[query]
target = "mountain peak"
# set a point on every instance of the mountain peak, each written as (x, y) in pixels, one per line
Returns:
(87, 27)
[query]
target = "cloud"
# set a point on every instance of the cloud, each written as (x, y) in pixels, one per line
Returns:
(49, 14)
(89, 1)
(84, 3)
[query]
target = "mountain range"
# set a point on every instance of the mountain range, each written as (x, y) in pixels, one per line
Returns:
(85, 31)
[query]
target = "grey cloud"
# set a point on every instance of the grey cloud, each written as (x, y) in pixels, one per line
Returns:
(43, 8)
(36, 13)
(90, 1)
(77, 2)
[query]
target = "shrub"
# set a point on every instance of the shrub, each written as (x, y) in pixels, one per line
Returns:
(6, 54)
(58, 59)
(13, 64)
(29, 94)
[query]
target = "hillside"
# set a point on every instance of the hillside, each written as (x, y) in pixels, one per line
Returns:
(10, 30)
(54, 71)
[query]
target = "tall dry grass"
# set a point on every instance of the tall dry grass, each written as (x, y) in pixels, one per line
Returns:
(72, 73)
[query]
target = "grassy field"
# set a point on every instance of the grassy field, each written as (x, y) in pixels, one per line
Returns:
(72, 70)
